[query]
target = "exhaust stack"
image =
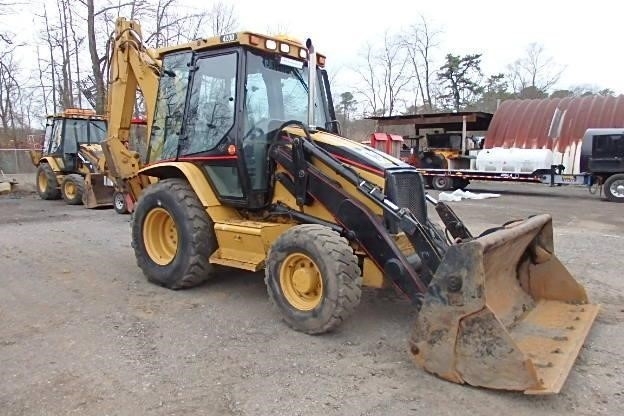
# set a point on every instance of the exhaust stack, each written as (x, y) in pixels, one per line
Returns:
(311, 83)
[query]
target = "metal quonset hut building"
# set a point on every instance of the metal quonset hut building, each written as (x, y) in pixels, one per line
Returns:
(555, 124)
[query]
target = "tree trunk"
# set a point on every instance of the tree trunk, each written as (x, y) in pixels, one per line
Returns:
(76, 54)
(52, 65)
(100, 90)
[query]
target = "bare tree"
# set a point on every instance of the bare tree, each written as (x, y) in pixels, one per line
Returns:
(6, 9)
(385, 75)
(9, 90)
(368, 75)
(97, 53)
(396, 72)
(223, 18)
(77, 41)
(172, 27)
(420, 41)
(41, 76)
(160, 17)
(10, 86)
(97, 61)
(535, 71)
(50, 45)
(61, 39)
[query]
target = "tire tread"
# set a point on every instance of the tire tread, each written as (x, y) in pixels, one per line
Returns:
(339, 252)
(202, 234)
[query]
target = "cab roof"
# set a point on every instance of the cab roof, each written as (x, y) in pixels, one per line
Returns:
(282, 45)
(77, 113)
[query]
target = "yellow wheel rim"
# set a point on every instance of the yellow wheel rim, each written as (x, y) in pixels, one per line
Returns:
(42, 181)
(70, 189)
(301, 282)
(160, 236)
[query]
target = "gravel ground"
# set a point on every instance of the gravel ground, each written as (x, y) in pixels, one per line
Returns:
(82, 332)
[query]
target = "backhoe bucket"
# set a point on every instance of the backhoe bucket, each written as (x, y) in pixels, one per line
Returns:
(502, 312)
(98, 191)
(35, 156)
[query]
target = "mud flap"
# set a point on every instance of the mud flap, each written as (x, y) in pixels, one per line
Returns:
(98, 191)
(502, 312)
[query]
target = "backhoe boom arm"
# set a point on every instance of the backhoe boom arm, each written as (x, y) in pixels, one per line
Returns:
(132, 66)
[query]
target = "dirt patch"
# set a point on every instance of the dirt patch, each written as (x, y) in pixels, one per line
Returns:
(82, 332)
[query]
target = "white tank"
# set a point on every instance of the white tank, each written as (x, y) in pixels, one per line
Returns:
(500, 159)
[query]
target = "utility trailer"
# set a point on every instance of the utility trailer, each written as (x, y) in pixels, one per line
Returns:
(601, 158)
(448, 179)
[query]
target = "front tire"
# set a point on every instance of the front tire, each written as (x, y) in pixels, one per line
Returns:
(614, 188)
(173, 236)
(313, 278)
(47, 184)
(72, 189)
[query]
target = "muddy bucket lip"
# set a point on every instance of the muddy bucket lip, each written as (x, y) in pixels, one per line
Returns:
(559, 352)
(545, 379)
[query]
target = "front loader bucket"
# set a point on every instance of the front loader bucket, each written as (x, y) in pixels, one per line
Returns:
(98, 191)
(502, 312)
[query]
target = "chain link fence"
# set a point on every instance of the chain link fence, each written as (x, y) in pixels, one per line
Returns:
(16, 161)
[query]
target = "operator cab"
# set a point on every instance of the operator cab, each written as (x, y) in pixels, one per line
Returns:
(65, 132)
(220, 109)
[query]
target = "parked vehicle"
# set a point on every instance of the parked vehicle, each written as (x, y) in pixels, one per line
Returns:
(601, 164)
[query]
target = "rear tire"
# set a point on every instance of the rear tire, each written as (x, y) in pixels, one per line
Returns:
(72, 189)
(614, 188)
(172, 235)
(47, 184)
(313, 278)
(119, 202)
(441, 183)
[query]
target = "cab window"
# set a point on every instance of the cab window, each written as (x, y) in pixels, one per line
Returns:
(210, 112)
(169, 107)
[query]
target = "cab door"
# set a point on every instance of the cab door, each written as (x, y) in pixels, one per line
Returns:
(70, 144)
(210, 128)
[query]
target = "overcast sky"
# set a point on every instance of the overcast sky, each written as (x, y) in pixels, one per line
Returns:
(585, 37)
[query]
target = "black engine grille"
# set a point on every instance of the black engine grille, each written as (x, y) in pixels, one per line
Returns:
(406, 190)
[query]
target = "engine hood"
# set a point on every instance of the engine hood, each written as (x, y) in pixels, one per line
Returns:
(357, 154)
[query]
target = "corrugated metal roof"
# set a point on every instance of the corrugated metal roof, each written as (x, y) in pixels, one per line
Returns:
(552, 123)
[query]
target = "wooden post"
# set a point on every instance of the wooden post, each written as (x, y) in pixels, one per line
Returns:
(464, 133)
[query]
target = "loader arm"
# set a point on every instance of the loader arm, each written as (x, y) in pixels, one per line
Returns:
(132, 67)
(411, 274)
(93, 155)
(498, 310)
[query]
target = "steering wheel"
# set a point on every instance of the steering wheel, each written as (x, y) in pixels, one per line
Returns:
(252, 133)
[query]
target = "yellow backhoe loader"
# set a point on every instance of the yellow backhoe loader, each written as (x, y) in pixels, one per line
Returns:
(246, 169)
(70, 163)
